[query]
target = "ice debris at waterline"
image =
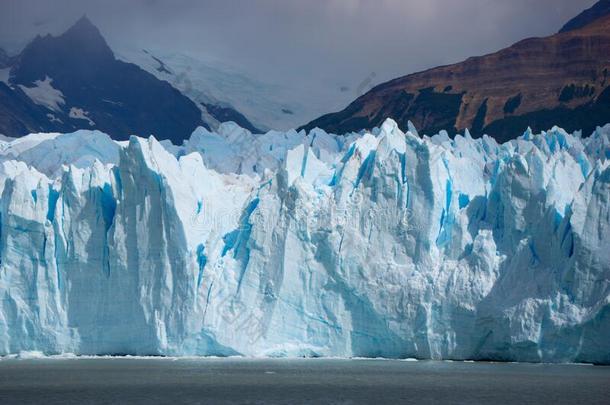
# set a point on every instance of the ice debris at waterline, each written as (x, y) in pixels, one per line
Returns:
(292, 244)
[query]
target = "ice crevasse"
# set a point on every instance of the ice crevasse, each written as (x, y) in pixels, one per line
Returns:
(381, 243)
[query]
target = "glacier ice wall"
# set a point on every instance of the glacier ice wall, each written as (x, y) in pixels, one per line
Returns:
(377, 244)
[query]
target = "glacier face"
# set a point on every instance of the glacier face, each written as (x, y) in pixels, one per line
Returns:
(292, 244)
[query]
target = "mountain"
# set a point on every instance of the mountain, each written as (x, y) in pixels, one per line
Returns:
(390, 245)
(74, 81)
(538, 82)
(598, 10)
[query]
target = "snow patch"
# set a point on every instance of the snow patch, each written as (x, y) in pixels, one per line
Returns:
(80, 114)
(53, 118)
(5, 75)
(44, 94)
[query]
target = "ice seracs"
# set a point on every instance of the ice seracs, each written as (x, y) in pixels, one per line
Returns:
(381, 243)
(49, 152)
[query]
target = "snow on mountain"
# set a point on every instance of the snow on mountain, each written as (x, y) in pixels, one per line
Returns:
(387, 244)
(265, 105)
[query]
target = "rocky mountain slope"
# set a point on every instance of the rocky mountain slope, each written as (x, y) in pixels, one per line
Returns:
(538, 82)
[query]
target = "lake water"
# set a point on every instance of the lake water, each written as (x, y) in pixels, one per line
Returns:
(314, 381)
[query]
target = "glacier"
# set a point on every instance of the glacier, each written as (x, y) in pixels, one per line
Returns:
(291, 244)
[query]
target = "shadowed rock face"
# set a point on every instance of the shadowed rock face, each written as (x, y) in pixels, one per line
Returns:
(96, 91)
(598, 10)
(538, 82)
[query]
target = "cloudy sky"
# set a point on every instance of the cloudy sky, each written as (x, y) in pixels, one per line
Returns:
(311, 42)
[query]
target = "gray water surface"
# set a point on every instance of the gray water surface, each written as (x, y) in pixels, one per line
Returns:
(314, 381)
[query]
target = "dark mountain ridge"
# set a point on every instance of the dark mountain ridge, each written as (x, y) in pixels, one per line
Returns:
(597, 11)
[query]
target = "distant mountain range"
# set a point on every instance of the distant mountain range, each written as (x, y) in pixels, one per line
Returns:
(538, 82)
(74, 81)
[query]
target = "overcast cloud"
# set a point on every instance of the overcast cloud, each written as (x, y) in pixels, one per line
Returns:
(328, 42)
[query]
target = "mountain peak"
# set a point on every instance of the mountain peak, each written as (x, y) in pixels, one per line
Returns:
(84, 23)
(84, 31)
(598, 10)
(82, 41)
